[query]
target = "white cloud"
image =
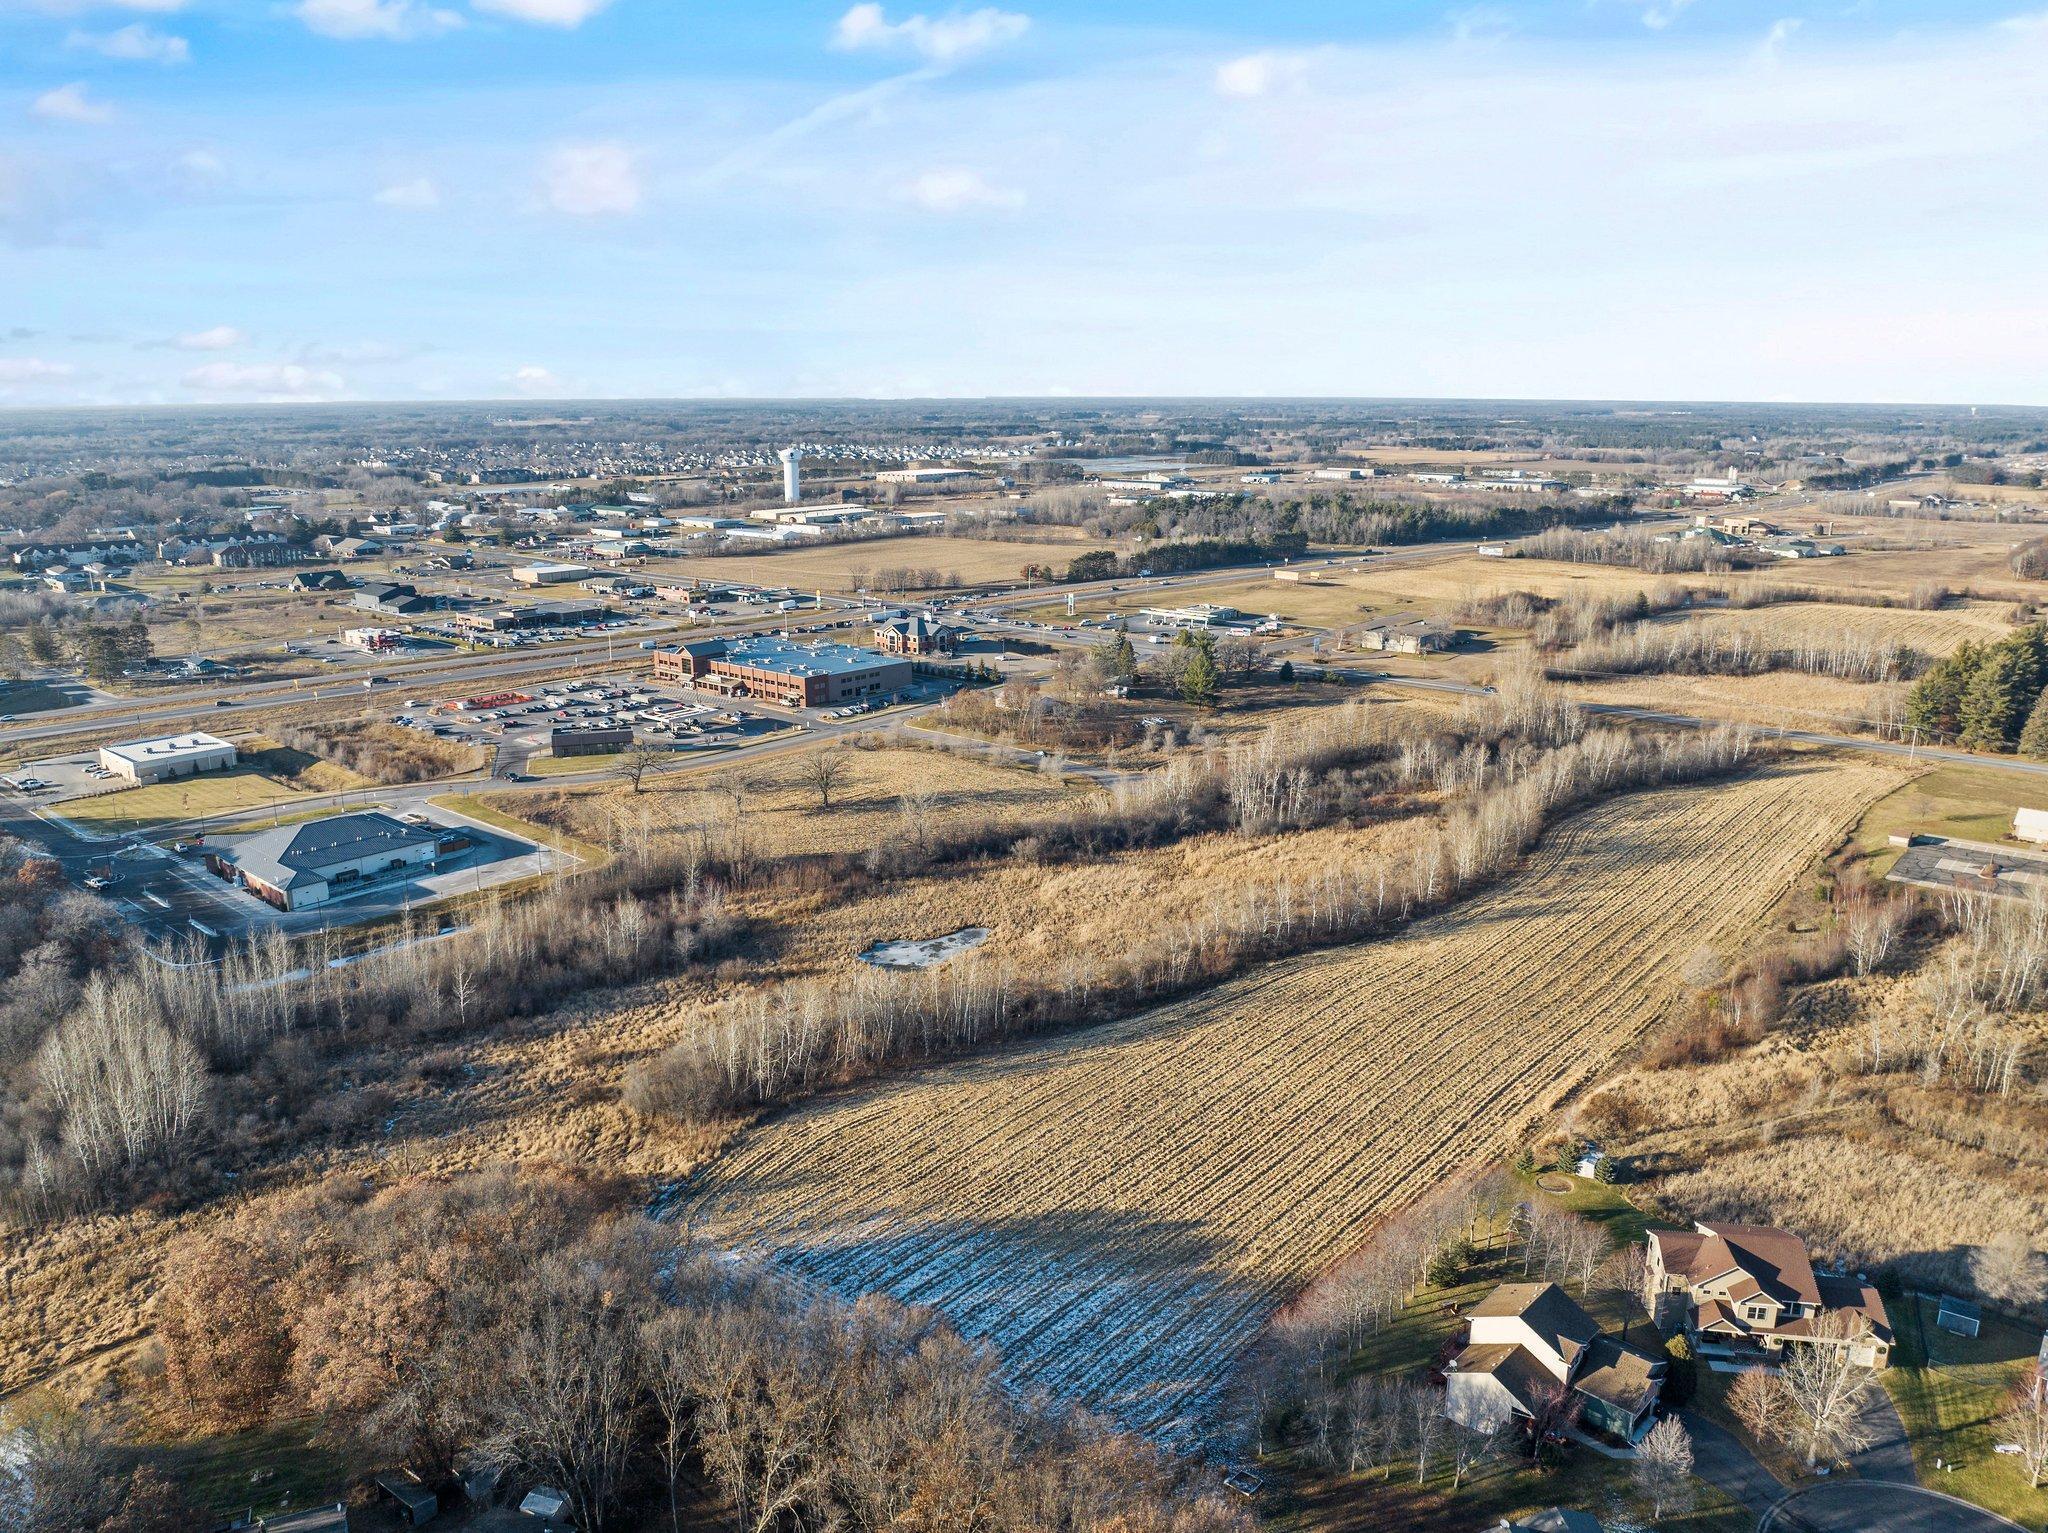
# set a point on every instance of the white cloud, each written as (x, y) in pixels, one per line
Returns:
(415, 195)
(1772, 49)
(135, 43)
(17, 373)
(590, 180)
(1260, 74)
(536, 381)
(1662, 13)
(265, 380)
(1481, 24)
(957, 190)
(545, 13)
(219, 338)
(70, 103)
(390, 20)
(943, 39)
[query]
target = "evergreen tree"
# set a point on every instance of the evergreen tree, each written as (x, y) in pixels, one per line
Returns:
(1123, 660)
(1934, 711)
(1199, 679)
(2034, 738)
(1999, 696)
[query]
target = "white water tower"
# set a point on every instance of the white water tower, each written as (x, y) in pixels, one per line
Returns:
(792, 487)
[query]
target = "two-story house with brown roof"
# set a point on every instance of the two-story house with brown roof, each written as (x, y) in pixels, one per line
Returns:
(1750, 1289)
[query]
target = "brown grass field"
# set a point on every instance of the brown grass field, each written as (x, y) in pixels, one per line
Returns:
(1931, 633)
(1781, 699)
(831, 568)
(1121, 1210)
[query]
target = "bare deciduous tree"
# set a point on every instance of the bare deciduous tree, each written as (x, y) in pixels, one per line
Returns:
(1662, 1471)
(1759, 1401)
(2009, 1271)
(822, 772)
(2024, 1424)
(1827, 1388)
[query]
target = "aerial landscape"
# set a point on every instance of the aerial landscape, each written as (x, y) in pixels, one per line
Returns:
(860, 769)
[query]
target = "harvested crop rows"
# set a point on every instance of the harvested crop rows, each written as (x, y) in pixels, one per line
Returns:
(1931, 633)
(1120, 1211)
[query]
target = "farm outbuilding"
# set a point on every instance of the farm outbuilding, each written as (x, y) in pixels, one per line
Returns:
(1959, 1316)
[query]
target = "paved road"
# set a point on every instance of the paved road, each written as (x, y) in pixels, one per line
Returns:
(1869, 1506)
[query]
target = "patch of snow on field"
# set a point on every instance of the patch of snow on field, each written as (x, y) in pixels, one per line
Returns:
(924, 954)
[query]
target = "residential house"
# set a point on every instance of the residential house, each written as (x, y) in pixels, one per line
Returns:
(319, 580)
(1747, 1290)
(1526, 1343)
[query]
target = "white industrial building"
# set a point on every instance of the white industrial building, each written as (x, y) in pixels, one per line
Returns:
(924, 474)
(1345, 471)
(551, 574)
(147, 761)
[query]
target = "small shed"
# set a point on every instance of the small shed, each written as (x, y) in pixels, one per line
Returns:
(1591, 1158)
(416, 1503)
(1958, 1315)
(551, 1506)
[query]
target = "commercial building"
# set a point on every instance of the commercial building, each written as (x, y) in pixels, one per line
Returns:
(374, 639)
(295, 867)
(551, 574)
(924, 474)
(540, 614)
(147, 761)
(396, 600)
(915, 634)
(1345, 471)
(782, 671)
(1197, 615)
(1401, 635)
(589, 742)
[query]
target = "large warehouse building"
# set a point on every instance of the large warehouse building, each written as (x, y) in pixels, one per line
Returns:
(298, 866)
(781, 671)
(147, 761)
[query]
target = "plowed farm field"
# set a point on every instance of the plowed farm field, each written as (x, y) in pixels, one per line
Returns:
(1931, 633)
(1120, 1211)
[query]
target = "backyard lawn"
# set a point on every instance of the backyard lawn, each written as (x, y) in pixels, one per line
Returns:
(1949, 1390)
(1304, 1500)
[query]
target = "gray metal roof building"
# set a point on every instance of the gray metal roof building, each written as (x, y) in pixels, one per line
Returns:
(296, 866)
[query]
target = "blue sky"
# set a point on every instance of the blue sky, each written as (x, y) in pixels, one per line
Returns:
(230, 200)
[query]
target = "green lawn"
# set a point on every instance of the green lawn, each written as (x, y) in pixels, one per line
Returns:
(1970, 803)
(164, 803)
(1304, 1500)
(1949, 1390)
(267, 1468)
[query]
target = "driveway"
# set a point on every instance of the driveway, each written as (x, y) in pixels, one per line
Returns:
(1719, 1458)
(1866, 1506)
(1887, 1457)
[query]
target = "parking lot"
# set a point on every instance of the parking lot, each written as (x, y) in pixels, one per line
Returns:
(518, 724)
(58, 778)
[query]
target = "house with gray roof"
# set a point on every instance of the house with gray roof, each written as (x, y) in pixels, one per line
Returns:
(1529, 1345)
(296, 867)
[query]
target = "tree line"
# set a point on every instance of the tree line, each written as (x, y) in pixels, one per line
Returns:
(524, 1322)
(1513, 763)
(1986, 697)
